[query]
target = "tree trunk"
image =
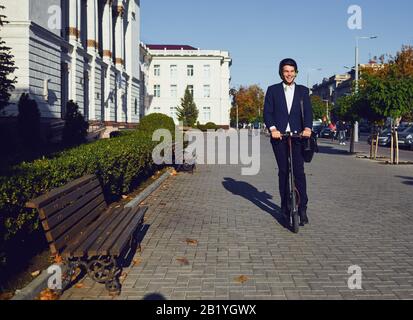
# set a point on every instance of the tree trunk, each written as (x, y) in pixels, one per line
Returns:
(352, 139)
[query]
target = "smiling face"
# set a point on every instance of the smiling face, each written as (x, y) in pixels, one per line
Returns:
(289, 74)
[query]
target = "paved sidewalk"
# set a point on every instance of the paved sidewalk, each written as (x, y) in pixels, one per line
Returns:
(360, 214)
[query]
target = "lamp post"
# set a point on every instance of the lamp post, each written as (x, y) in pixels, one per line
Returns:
(308, 74)
(356, 124)
(234, 93)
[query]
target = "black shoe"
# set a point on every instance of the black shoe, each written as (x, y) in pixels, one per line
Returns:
(303, 217)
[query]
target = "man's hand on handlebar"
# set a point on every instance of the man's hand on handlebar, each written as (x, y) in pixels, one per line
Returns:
(275, 134)
(306, 133)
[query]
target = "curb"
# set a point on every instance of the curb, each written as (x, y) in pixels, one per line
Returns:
(34, 288)
(150, 189)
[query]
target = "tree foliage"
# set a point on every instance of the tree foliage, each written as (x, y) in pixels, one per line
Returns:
(319, 107)
(187, 112)
(250, 102)
(6, 68)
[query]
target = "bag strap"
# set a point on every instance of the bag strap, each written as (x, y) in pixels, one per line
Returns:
(302, 107)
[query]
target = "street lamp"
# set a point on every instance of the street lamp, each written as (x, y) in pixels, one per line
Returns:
(356, 124)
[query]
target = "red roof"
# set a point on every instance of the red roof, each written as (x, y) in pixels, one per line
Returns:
(169, 47)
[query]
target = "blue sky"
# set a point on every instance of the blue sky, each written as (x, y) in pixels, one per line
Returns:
(258, 34)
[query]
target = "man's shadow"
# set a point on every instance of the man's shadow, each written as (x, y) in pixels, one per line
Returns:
(260, 199)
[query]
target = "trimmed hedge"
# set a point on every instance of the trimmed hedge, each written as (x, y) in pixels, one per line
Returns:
(119, 163)
(207, 126)
(155, 121)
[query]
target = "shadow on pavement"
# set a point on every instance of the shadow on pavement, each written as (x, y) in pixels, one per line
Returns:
(154, 297)
(409, 180)
(260, 199)
(333, 151)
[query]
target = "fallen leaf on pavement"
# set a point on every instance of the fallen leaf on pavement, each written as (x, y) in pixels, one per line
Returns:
(35, 273)
(58, 259)
(192, 242)
(241, 279)
(6, 295)
(173, 173)
(124, 197)
(48, 295)
(136, 262)
(79, 285)
(123, 276)
(183, 261)
(76, 273)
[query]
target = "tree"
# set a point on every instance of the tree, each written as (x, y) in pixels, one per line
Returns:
(75, 129)
(319, 107)
(250, 102)
(187, 112)
(28, 121)
(6, 68)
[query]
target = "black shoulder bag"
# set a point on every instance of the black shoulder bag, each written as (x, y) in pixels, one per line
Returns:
(309, 145)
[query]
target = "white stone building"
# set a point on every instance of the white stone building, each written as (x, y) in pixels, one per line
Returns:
(172, 68)
(81, 50)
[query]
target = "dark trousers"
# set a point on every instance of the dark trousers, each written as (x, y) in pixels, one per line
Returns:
(281, 152)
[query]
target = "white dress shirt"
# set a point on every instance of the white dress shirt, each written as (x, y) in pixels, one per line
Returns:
(289, 97)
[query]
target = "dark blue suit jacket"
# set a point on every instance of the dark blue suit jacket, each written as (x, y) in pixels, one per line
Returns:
(276, 111)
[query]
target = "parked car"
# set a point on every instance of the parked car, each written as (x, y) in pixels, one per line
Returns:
(384, 138)
(326, 133)
(406, 138)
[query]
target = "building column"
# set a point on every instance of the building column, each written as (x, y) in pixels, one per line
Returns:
(92, 18)
(92, 47)
(120, 35)
(73, 31)
(107, 30)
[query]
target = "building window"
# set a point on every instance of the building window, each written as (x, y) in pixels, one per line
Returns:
(136, 106)
(157, 70)
(190, 70)
(157, 109)
(191, 89)
(207, 71)
(207, 91)
(174, 91)
(157, 90)
(207, 114)
(174, 71)
(173, 112)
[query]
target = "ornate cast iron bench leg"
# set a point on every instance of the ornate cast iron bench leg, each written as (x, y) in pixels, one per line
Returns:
(105, 270)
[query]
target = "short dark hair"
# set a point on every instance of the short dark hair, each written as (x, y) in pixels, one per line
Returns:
(287, 62)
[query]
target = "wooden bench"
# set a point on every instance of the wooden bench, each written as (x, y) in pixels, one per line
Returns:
(81, 229)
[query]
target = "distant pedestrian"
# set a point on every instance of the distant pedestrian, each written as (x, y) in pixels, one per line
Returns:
(341, 128)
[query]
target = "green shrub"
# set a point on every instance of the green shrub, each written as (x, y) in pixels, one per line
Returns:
(155, 121)
(75, 129)
(207, 126)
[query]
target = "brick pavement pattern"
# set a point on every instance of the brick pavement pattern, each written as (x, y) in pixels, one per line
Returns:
(360, 214)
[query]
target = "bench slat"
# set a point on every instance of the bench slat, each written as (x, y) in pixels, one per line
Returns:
(88, 209)
(63, 241)
(122, 241)
(116, 233)
(50, 196)
(70, 198)
(93, 243)
(67, 213)
(94, 234)
(100, 248)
